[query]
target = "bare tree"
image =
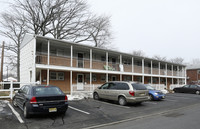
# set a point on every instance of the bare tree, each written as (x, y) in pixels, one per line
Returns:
(177, 60)
(13, 28)
(98, 30)
(157, 57)
(196, 61)
(63, 19)
(138, 53)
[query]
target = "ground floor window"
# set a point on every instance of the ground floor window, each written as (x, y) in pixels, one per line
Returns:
(57, 76)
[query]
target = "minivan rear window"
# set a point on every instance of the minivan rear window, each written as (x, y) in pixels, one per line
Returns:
(47, 91)
(138, 86)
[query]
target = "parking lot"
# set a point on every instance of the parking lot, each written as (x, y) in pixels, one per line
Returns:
(89, 113)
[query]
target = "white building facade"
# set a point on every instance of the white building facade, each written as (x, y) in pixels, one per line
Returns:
(76, 67)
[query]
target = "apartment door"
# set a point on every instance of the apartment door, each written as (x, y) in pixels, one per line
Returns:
(113, 78)
(80, 60)
(80, 81)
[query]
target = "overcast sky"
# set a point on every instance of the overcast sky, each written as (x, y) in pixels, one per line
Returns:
(169, 28)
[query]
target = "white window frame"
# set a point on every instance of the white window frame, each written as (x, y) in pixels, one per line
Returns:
(57, 76)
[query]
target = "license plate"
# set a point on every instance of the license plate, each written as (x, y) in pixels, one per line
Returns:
(163, 97)
(142, 94)
(52, 109)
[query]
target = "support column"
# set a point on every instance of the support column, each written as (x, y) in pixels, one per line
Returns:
(159, 80)
(48, 58)
(185, 76)
(151, 67)
(106, 77)
(120, 77)
(132, 78)
(120, 59)
(90, 79)
(40, 76)
(132, 65)
(71, 88)
(172, 70)
(166, 83)
(106, 66)
(178, 81)
(106, 60)
(178, 72)
(151, 80)
(71, 64)
(143, 71)
(90, 58)
(47, 76)
(166, 69)
(159, 68)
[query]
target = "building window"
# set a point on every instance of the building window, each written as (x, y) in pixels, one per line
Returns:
(57, 76)
(94, 78)
(60, 76)
(103, 78)
(53, 51)
(103, 58)
(60, 52)
(198, 71)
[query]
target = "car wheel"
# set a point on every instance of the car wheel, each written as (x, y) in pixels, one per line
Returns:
(122, 101)
(14, 102)
(151, 97)
(197, 92)
(26, 112)
(96, 96)
(175, 91)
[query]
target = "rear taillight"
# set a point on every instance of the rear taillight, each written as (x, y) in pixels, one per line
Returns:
(132, 93)
(66, 98)
(33, 100)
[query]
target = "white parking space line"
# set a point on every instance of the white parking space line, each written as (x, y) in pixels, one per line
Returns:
(79, 110)
(150, 102)
(112, 104)
(16, 113)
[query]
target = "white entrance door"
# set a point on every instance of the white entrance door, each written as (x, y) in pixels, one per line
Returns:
(80, 82)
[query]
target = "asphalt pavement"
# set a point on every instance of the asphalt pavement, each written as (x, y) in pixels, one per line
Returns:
(172, 112)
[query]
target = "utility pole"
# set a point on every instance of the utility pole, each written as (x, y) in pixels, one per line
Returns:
(2, 57)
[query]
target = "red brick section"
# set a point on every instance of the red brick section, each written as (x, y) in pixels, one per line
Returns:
(193, 76)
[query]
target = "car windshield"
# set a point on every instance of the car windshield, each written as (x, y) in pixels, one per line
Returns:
(46, 90)
(138, 86)
(149, 87)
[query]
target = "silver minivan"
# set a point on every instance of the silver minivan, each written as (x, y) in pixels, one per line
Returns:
(123, 92)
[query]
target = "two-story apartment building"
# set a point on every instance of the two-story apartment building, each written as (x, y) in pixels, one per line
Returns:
(75, 67)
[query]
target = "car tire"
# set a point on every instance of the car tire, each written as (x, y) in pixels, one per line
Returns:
(151, 97)
(14, 102)
(96, 96)
(122, 101)
(197, 92)
(26, 112)
(175, 91)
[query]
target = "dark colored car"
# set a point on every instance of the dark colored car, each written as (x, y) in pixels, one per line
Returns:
(194, 89)
(40, 100)
(155, 94)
